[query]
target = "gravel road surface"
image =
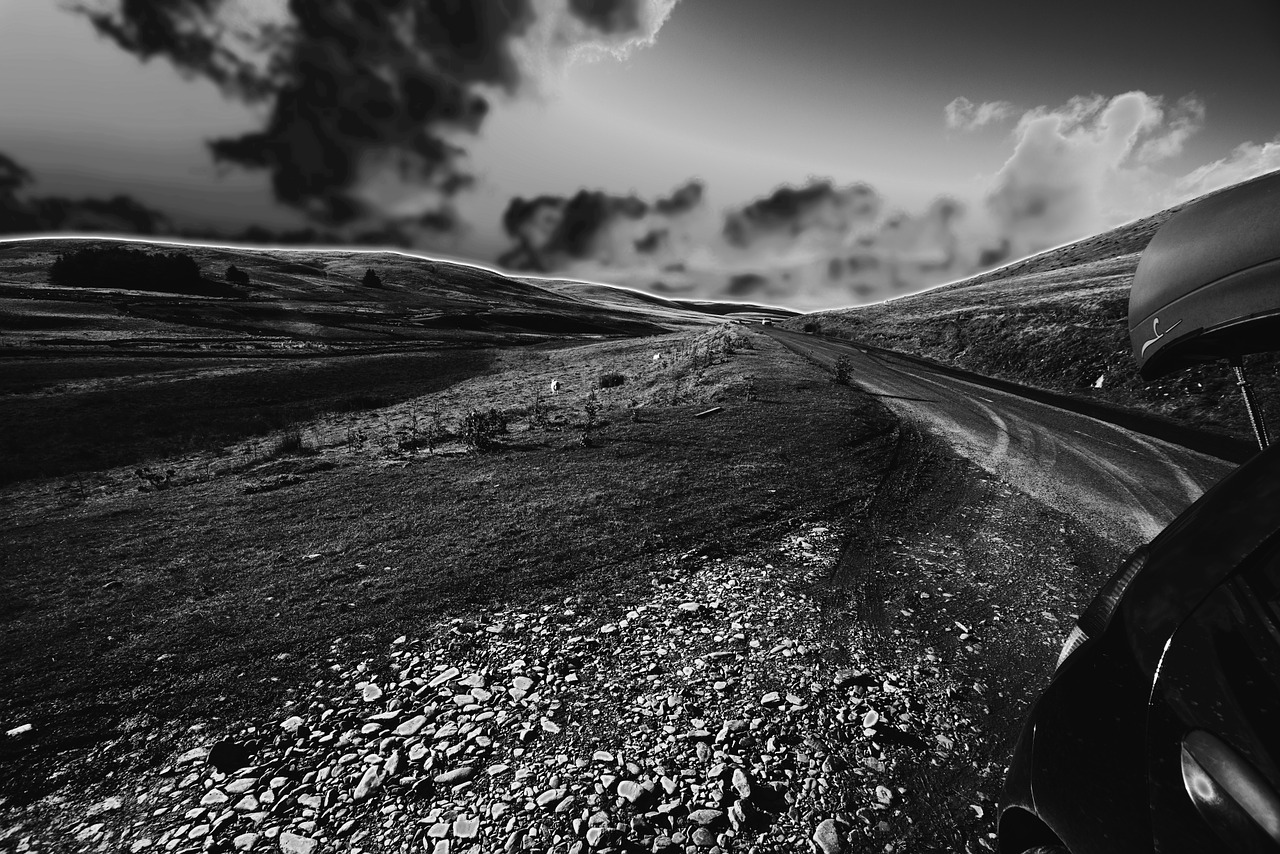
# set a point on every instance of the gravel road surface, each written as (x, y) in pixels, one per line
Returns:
(1125, 485)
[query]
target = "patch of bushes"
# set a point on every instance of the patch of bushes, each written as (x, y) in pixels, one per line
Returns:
(480, 430)
(611, 380)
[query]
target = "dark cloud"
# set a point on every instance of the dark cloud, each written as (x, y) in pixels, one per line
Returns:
(117, 214)
(13, 176)
(682, 200)
(817, 244)
(356, 86)
(653, 241)
(367, 100)
(747, 285)
(608, 16)
(552, 232)
(26, 213)
(817, 207)
(20, 212)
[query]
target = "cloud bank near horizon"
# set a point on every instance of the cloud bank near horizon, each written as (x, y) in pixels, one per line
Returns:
(1074, 170)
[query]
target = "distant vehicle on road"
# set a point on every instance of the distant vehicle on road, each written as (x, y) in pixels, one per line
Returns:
(766, 323)
(1160, 729)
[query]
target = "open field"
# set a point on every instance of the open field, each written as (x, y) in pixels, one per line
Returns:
(1058, 321)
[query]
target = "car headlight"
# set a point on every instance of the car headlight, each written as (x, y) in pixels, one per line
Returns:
(1093, 622)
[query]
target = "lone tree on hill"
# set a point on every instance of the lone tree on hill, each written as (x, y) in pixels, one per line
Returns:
(371, 279)
(237, 276)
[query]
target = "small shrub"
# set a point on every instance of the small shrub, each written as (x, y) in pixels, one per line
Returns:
(592, 408)
(154, 480)
(422, 434)
(371, 279)
(290, 443)
(539, 411)
(844, 370)
(611, 380)
(237, 276)
(480, 430)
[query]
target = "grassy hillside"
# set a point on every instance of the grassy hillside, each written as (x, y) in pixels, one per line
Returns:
(1058, 321)
(308, 295)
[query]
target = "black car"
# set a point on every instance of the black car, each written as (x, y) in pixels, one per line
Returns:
(1160, 729)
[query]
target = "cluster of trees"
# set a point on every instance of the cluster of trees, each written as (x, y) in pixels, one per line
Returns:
(167, 272)
(132, 269)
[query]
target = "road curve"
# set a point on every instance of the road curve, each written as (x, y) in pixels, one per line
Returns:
(1124, 485)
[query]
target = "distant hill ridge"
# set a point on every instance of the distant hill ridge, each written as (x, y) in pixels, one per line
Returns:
(1057, 320)
(319, 295)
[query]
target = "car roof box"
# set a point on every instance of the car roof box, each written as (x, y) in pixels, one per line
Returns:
(1208, 284)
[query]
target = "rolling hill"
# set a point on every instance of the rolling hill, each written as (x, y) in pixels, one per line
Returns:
(1059, 321)
(315, 295)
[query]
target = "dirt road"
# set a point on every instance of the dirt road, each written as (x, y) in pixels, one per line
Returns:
(1122, 484)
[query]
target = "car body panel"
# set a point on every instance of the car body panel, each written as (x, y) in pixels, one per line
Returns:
(1219, 675)
(1122, 702)
(1208, 284)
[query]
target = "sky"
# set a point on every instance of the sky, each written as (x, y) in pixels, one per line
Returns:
(810, 153)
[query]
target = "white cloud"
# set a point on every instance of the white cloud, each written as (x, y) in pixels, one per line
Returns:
(963, 114)
(1248, 160)
(1054, 186)
(1186, 117)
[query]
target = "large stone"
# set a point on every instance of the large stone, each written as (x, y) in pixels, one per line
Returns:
(195, 754)
(239, 787)
(741, 783)
(443, 677)
(371, 781)
(466, 827)
(213, 798)
(550, 797)
(411, 726)
(631, 790)
(828, 838)
(292, 843)
(456, 776)
(707, 817)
